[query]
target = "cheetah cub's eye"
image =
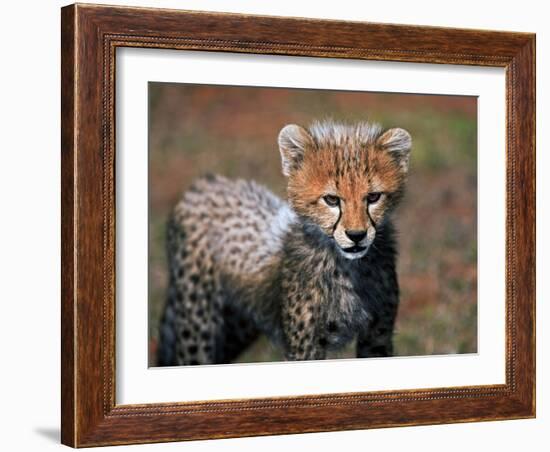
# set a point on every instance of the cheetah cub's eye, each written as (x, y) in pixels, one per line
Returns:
(331, 200)
(374, 197)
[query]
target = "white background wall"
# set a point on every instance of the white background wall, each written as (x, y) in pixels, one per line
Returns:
(29, 225)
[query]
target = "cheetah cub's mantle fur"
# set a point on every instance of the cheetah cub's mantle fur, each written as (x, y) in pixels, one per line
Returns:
(312, 273)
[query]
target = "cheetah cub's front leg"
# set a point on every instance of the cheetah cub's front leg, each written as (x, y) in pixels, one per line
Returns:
(300, 328)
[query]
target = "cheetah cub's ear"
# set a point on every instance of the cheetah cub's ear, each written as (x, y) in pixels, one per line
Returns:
(293, 141)
(397, 142)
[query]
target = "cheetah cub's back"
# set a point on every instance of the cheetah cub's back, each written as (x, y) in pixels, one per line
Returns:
(238, 224)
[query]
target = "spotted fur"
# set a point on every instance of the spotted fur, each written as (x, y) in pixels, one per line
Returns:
(309, 274)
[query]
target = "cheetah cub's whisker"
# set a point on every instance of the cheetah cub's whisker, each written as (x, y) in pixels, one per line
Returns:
(311, 273)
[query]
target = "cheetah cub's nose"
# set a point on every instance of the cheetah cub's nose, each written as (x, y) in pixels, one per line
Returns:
(356, 236)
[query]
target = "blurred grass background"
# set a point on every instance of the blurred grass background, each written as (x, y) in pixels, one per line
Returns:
(233, 131)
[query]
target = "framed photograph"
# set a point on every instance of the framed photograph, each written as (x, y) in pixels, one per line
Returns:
(281, 225)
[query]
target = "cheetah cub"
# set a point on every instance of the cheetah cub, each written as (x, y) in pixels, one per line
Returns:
(312, 274)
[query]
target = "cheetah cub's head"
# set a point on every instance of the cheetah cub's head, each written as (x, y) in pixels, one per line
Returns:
(346, 179)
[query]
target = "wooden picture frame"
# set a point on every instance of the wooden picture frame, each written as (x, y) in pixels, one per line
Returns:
(90, 36)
